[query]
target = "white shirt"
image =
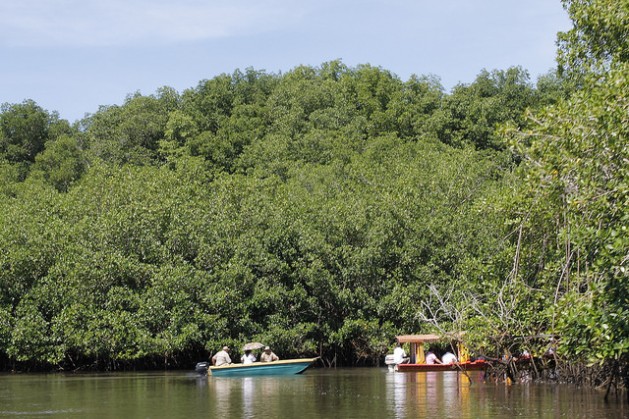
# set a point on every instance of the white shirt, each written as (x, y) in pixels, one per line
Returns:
(448, 358)
(398, 355)
(248, 359)
(431, 358)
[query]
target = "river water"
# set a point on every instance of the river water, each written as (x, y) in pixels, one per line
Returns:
(318, 393)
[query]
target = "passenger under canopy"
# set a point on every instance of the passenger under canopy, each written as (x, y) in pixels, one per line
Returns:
(417, 346)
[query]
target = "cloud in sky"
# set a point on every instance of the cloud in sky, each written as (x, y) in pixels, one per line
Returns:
(61, 23)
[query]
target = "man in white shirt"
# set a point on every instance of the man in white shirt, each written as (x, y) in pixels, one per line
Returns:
(448, 358)
(399, 356)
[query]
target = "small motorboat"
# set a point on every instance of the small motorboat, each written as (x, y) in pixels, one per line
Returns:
(281, 367)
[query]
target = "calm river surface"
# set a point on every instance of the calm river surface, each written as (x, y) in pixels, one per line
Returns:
(318, 393)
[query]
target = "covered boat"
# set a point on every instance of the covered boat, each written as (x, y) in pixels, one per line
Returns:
(418, 363)
(281, 367)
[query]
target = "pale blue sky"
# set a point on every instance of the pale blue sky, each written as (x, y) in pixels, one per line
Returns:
(74, 55)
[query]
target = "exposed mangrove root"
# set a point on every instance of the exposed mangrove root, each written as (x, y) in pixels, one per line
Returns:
(611, 378)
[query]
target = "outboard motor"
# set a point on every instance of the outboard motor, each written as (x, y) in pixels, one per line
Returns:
(202, 367)
(389, 362)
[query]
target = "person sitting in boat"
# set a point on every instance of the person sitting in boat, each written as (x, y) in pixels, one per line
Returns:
(431, 358)
(448, 358)
(222, 357)
(248, 357)
(268, 355)
(399, 356)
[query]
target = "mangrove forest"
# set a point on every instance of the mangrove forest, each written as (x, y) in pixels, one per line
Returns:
(325, 210)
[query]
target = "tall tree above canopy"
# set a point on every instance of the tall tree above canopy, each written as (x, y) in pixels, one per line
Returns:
(23, 131)
(470, 115)
(131, 133)
(599, 35)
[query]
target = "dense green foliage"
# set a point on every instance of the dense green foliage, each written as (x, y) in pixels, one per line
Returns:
(598, 37)
(576, 163)
(323, 211)
(310, 210)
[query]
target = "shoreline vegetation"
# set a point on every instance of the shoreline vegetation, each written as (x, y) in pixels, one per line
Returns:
(326, 210)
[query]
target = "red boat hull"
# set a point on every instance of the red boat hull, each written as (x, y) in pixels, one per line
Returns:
(460, 366)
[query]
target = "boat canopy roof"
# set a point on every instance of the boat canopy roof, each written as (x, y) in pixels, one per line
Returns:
(418, 338)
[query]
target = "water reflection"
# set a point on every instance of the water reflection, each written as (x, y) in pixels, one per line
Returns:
(431, 393)
(247, 397)
(268, 387)
(223, 392)
(342, 393)
(396, 389)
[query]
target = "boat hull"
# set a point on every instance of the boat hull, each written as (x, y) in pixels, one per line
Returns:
(460, 366)
(282, 367)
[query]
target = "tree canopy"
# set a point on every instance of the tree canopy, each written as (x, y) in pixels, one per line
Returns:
(323, 211)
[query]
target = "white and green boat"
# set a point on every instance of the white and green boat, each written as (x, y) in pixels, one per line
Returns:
(282, 367)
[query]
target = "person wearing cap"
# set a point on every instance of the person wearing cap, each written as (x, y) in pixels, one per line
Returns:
(268, 355)
(222, 357)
